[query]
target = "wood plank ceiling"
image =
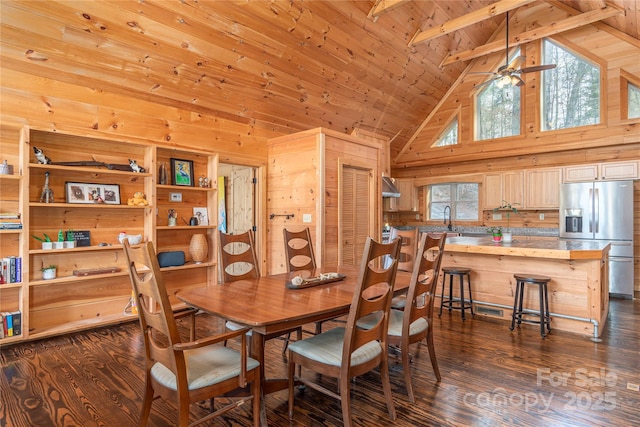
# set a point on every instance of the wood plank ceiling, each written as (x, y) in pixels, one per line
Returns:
(282, 65)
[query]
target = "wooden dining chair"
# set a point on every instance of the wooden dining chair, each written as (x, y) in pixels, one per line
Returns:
(408, 249)
(239, 262)
(346, 352)
(414, 323)
(184, 372)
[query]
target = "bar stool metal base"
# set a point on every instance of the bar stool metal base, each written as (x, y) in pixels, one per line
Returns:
(450, 302)
(543, 317)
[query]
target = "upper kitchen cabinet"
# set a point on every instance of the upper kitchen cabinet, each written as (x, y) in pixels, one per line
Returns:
(542, 188)
(329, 182)
(602, 171)
(408, 200)
(503, 187)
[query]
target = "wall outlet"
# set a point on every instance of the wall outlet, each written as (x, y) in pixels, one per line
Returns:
(175, 197)
(496, 217)
(541, 217)
(306, 218)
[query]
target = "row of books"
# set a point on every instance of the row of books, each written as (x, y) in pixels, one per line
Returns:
(11, 324)
(10, 270)
(10, 221)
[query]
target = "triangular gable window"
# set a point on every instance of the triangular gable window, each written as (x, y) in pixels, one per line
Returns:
(449, 136)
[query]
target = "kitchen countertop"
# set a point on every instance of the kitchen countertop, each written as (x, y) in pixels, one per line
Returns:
(555, 249)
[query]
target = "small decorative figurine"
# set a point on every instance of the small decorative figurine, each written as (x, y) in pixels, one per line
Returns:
(42, 159)
(203, 182)
(135, 167)
(138, 199)
(173, 218)
(47, 193)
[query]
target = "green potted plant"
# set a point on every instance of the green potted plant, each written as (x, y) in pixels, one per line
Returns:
(508, 208)
(48, 272)
(59, 244)
(45, 240)
(69, 241)
(496, 232)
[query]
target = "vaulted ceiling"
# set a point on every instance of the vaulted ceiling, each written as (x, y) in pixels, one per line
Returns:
(282, 65)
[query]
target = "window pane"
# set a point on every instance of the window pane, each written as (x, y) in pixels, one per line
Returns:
(464, 203)
(467, 211)
(570, 92)
(449, 136)
(498, 112)
(634, 101)
(441, 193)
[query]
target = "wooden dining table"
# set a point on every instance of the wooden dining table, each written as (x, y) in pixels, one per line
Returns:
(270, 308)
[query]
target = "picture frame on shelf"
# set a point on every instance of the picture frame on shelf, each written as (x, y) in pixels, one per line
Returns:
(182, 172)
(88, 193)
(202, 215)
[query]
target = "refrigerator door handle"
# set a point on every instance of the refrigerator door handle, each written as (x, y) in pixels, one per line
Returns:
(590, 210)
(596, 208)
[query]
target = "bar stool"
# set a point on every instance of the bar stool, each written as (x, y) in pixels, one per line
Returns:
(462, 303)
(519, 311)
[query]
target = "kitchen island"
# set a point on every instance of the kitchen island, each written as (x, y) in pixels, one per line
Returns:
(578, 291)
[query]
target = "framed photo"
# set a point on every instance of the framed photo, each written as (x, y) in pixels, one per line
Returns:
(201, 214)
(82, 192)
(182, 172)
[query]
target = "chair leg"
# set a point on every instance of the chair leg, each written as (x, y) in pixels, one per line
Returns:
(386, 384)
(183, 411)
(147, 401)
(515, 306)
(345, 399)
(406, 367)
(432, 355)
(285, 345)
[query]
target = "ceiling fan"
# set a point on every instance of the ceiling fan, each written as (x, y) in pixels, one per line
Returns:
(510, 72)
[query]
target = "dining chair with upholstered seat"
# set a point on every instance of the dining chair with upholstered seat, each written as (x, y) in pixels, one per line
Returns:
(414, 324)
(184, 372)
(347, 352)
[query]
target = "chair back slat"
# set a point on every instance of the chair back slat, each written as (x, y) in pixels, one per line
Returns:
(238, 256)
(299, 250)
(408, 247)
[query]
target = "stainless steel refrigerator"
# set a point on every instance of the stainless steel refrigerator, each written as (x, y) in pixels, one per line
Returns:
(602, 211)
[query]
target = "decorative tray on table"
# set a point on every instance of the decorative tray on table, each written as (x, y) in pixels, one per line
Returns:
(299, 283)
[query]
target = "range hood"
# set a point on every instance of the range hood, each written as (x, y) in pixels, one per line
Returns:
(389, 188)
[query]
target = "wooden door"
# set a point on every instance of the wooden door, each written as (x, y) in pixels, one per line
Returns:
(240, 200)
(355, 213)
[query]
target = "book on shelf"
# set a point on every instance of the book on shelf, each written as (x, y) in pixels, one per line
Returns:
(10, 224)
(11, 270)
(9, 215)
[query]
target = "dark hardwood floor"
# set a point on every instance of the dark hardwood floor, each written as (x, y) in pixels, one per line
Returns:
(490, 377)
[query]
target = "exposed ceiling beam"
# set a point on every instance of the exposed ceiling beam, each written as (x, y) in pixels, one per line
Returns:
(383, 6)
(469, 19)
(535, 34)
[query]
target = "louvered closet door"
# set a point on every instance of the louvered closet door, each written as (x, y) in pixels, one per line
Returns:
(355, 213)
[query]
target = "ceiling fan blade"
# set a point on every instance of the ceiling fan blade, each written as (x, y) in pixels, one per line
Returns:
(538, 68)
(484, 83)
(517, 62)
(482, 72)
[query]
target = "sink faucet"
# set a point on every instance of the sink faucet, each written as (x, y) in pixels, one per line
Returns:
(447, 209)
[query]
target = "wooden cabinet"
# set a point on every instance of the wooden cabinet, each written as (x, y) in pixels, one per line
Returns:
(602, 171)
(91, 184)
(542, 188)
(503, 186)
(408, 200)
